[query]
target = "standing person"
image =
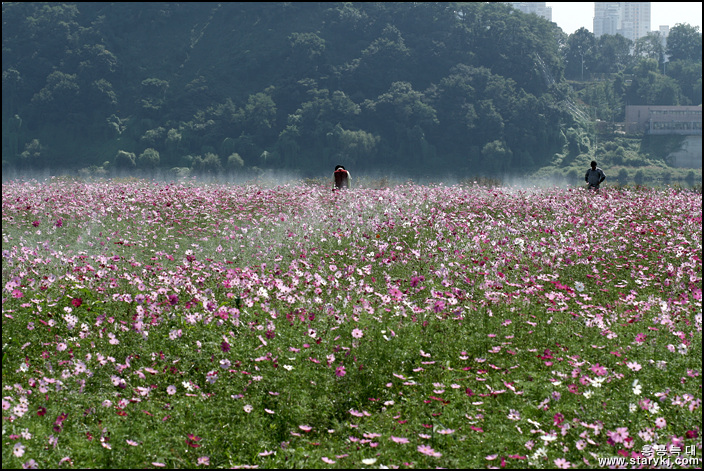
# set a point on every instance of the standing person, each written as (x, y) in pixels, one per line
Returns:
(341, 178)
(594, 177)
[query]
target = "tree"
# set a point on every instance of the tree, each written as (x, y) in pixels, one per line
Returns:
(497, 156)
(688, 75)
(580, 53)
(613, 53)
(209, 165)
(153, 93)
(32, 154)
(125, 160)
(650, 46)
(58, 95)
(234, 161)
(149, 159)
(684, 42)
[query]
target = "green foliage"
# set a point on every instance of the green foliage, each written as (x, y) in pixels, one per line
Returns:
(234, 161)
(32, 154)
(684, 42)
(125, 160)
(148, 159)
(209, 164)
(379, 86)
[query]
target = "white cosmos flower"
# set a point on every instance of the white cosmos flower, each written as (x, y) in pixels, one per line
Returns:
(637, 389)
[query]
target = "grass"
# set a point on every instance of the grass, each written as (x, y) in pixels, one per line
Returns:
(183, 325)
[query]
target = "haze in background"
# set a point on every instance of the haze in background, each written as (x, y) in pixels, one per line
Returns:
(570, 16)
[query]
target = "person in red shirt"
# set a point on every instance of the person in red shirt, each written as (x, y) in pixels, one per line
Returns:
(341, 178)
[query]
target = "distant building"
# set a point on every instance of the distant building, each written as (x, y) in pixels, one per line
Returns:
(607, 18)
(538, 8)
(629, 19)
(685, 121)
(662, 120)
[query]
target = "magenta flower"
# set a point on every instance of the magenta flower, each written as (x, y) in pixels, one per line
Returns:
(192, 440)
(598, 370)
(340, 371)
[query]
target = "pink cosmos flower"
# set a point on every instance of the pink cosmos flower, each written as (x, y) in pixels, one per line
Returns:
(562, 463)
(204, 461)
(340, 371)
(400, 440)
(328, 460)
(18, 450)
(427, 450)
(305, 428)
(660, 422)
(356, 333)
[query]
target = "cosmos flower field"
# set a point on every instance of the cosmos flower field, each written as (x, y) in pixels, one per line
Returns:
(182, 325)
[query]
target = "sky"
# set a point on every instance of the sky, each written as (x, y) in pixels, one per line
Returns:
(570, 16)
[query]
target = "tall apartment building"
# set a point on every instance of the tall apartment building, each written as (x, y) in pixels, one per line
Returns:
(629, 19)
(607, 18)
(538, 8)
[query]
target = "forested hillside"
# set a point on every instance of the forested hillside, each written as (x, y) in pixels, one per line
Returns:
(464, 88)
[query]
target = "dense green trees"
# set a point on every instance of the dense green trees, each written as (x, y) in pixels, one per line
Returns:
(468, 88)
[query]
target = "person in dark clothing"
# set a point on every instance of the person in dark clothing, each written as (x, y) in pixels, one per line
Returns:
(594, 177)
(341, 178)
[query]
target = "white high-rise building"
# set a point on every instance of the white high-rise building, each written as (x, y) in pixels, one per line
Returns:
(629, 19)
(607, 18)
(538, 8)
(636, 20)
